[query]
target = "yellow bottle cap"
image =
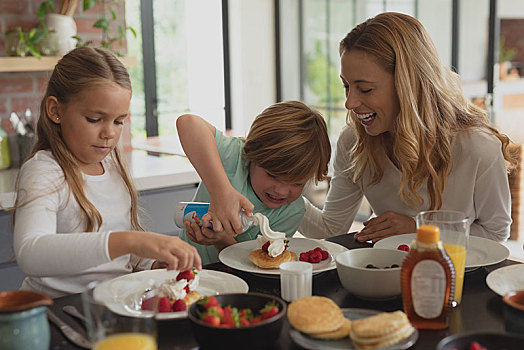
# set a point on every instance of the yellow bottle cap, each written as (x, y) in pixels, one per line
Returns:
(428, 234)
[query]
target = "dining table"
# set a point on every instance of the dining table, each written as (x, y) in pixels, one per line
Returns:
(481, 309)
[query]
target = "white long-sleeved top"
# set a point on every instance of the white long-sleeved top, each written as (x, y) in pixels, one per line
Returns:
(477, 186)
(50, 244)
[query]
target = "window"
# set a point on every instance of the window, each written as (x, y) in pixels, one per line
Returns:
(180, 64)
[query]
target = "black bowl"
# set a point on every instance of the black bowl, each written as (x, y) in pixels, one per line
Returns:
(489, 340)
(261, 334)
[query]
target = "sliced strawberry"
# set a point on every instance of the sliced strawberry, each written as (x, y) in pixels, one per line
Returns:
(179, 305)
(186, 288)
(244, 321)
(265, 246)
(211, 320)
(304, 257)
(164, 304)
(317, 249)
(476, 346)
(325, 254)
(273, 311)
(187, 274)
(256, 320)
(149, 303)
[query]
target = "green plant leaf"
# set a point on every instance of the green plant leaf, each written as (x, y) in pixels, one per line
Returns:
(113, 14)
(132, 30)
(87, 4)
(102, 23)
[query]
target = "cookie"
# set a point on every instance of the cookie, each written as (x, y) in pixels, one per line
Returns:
(315, 315)
(263, 260)
(340, 333)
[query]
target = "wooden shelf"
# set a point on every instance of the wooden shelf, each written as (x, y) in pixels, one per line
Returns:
(44, 63)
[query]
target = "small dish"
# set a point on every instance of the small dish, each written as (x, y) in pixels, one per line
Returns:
(489, 340)
(514, 311)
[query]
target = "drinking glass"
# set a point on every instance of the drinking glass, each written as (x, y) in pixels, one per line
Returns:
(296, 280)
(108, 330)
(454, 234)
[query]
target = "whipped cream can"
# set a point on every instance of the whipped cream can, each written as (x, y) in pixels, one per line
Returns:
(194, 211)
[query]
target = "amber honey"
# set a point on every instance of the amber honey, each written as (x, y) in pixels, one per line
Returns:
(428, 282)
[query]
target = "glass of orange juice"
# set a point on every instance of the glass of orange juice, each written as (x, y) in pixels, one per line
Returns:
(109, 330)
(454, 234)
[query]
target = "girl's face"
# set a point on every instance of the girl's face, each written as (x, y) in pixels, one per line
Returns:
(91, 123)
(270, 190)
(370, 92)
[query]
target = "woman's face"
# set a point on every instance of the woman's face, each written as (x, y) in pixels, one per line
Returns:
(370, 92)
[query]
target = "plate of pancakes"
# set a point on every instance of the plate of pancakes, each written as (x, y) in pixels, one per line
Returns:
(318, 323)
(237, 256)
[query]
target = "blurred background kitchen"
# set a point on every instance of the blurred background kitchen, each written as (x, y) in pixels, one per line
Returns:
(227, 60)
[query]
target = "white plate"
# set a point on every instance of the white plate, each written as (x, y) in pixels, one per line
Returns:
(506, 278)
(237, 255)
(353, 314)
(122, 294)
(481, 251)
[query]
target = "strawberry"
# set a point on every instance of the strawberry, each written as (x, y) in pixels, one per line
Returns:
(265, 247)
(476, 346)
(149, 303)
(317, 249)
(325, 254)
(186, 288)
(230, 317)
(403, 247)
(256, 320)
(273, 311)
(216, 310)
(187, 274)
(179, 305)
(164, 304)
(304, 257)
(208, 302)
(211, 320)
(244, 322)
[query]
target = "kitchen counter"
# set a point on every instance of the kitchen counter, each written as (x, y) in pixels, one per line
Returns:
(149, 172)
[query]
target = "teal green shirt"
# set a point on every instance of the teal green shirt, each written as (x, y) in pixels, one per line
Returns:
(284, 219)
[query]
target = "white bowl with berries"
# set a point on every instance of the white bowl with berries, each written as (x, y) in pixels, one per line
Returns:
(371, 273)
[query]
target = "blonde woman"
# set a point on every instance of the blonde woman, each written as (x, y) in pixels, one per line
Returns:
(76, 210)
(413, 141)
(286, 146)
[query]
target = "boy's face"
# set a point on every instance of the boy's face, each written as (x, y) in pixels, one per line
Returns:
(273, 192)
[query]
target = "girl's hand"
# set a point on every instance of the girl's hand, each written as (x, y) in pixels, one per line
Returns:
(170, 250)
(385, 225)
(224, 209)
(205, 236)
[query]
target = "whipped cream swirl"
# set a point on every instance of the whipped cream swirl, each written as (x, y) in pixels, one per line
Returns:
(175, 290)
(276, 239)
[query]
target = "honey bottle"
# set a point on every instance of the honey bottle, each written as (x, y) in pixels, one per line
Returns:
(428, 281)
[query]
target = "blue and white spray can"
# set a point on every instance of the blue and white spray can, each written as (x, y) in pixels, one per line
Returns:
(194, 211)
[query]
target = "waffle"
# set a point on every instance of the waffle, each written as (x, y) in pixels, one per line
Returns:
(315, 315)
(381, 330)
(263, 260)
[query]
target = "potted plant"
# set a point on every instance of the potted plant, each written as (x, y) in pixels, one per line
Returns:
(505, 56)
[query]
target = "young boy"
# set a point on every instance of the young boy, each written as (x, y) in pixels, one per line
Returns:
(287, 146)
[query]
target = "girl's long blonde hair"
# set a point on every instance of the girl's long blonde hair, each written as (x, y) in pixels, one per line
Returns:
(81, 68)
(432, 108)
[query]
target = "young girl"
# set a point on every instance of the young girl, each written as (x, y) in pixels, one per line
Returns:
(287, 145)
(76, 215)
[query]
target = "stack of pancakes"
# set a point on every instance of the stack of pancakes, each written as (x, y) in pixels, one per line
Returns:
(380, 330)
(263, 260)
(318, 317)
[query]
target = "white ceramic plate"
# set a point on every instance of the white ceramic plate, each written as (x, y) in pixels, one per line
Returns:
(353, 314)
(481, 251)
(122, 294)
(237, 255)
(506, 278)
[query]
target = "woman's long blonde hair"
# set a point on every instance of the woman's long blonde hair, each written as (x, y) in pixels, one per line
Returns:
(432, 108)
(81, 68)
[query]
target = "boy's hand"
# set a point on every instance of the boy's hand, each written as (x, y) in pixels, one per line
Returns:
(224, 209)
(205, 236)
(385, 225)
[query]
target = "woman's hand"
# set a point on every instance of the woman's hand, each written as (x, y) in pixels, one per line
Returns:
(385, 225)
(205, 236)
(171, 251)
(224, 209)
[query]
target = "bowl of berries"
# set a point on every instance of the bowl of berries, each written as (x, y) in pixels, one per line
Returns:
(371, 273)
(241, 320)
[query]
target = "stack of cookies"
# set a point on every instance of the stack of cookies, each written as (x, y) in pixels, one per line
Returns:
(318, 317)
(380, 330)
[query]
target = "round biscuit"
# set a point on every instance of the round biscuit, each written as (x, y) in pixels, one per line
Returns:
(263, 260)
(380, 324)
(315, 315)
(393, 339)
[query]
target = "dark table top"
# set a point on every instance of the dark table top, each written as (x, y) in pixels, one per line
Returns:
(480, 310)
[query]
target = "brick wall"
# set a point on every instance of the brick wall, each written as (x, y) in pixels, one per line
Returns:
(21, 90)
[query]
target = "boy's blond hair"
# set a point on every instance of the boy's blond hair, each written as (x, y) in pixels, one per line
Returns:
(290, 141)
